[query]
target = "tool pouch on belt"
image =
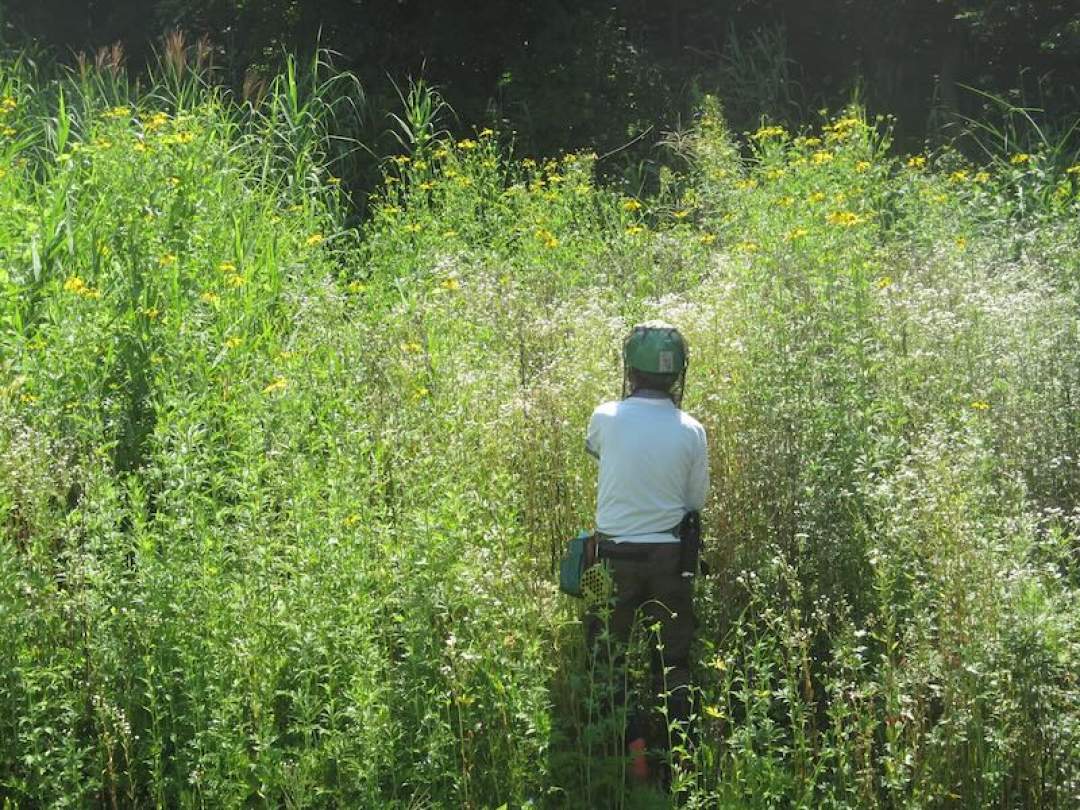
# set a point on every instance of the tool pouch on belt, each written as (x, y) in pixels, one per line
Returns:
(579, 556)
(690, 543)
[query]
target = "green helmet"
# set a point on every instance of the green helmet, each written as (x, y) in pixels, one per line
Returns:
(655, 347)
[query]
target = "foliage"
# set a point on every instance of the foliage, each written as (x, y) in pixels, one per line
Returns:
(280, 500)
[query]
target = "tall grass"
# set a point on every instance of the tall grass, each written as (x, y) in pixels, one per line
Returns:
(280, 500)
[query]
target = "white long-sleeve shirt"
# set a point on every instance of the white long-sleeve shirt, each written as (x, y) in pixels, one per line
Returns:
(654, 467)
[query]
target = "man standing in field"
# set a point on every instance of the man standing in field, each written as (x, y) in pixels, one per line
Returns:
(653, 479)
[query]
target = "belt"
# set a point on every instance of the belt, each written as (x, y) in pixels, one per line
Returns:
(627, 550)
(607, 550)
(601, 537)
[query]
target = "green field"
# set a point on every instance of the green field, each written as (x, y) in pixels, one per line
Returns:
(282, 493)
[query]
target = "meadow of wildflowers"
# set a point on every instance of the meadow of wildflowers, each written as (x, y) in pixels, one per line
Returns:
(280, 497)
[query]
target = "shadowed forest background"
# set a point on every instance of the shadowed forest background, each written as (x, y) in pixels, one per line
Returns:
(598, 75)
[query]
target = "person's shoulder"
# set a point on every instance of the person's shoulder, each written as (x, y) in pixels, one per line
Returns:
(606, 409)
(690, 423)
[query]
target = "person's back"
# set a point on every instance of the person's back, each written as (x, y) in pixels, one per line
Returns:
(653, 467)
(653, 476)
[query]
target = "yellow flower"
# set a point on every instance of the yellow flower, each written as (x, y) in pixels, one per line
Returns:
(449, 233)
(450, 283)
(278, 384)
(821, 157)
(420, 165)
(7, 104)
(528, 163)
(420, 393)
(961, 242)
(797, 233)
(981, 177)
(843, 218)
(227, 267)
(401, 160)
(151, 312)
(841, 129)
(314, 239)
(441, 153)
(357, 286)
(76, 285)
(333, 181)
(811, 142)
(959, 176)
(708, 238)
(547, 237)
(862, 166)
(816, 197)
(980, 405)
(746, 185)
(118, 112)
(234, 342)
(1074, 169)
(139, 146)
(634, 230)
(237, 280)
(786, 200)
(486, 132)
(412, 347)
(413, 227)
(747, 247)
(884, 282)
(209, 298)
(467, 144)
(168, 260)
(427, 185)
(774, 174)
(764, 133)
(155, 121)
(916, 162)
(631, 205)
(1019, 159)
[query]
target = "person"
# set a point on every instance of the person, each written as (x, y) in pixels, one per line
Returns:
(653, 471)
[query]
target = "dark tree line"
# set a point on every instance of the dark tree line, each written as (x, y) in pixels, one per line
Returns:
(572, 73)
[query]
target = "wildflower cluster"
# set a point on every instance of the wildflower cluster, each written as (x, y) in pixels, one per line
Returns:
(76, 286)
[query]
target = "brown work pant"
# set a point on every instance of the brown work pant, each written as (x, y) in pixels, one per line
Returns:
(649, 589)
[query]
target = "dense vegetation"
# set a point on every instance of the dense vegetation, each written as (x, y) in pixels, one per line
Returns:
(280, 499)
